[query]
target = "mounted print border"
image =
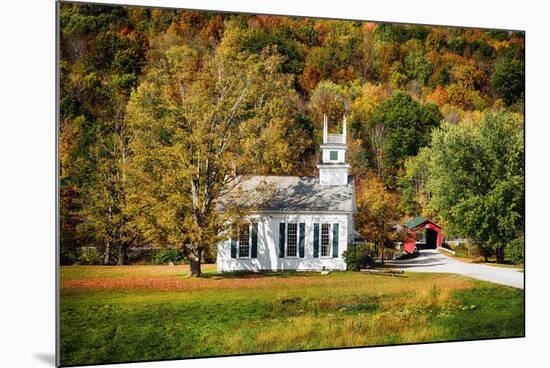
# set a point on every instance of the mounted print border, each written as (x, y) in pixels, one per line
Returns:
(235, 183)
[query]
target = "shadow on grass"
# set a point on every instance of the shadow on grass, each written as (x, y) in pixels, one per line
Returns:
(387, 274)
(258, 274)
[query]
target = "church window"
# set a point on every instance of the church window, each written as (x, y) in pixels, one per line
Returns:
(325, 240)
(292, 241)
(244, 241)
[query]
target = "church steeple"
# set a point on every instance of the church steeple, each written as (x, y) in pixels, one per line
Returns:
(333, 169)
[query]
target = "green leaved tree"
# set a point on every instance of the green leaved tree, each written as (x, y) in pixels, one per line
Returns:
(476, 180)
(403, 126)
(509, 80)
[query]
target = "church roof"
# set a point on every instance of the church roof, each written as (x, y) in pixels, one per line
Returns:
(288, 194)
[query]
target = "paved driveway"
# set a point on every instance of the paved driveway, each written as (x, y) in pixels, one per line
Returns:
(431, 260)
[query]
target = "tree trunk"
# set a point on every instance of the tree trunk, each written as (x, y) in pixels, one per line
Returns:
(383, 248)
(106, 259)
(195, 264)
(122, 254)
(500, 254)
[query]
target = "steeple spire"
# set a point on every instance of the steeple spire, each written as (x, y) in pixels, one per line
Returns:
(325, 129)
(344, 133)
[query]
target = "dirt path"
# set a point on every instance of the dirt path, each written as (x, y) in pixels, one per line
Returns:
(434, 261)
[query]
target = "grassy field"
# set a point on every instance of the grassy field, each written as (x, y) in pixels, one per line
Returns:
(128, 313)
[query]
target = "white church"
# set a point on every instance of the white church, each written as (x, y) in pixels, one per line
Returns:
(294, 223)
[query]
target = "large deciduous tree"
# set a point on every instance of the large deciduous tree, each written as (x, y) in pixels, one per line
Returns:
(476, 179)
(377, 213)
(197, 115)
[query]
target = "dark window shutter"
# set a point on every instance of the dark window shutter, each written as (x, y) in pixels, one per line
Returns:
(254, 249)
(233, 247)
(335, 240)
(316, 240)
(302, 248)
(281, 240)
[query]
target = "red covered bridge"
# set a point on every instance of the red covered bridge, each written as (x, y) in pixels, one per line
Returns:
(434, 237)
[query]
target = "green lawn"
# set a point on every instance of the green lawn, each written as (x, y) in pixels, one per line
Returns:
(128, 313)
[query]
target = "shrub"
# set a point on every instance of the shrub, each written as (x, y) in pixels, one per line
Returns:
(141, 255)
(88, 256)
(406, 255)
(68, 256)
(515, 250)
(460, 249)
(165, 256)
(357, 256)
(476, 249)
(470, 249)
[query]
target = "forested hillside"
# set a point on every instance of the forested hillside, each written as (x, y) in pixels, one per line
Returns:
(139, 87)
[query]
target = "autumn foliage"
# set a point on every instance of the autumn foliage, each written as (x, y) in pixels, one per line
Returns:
(133, 81)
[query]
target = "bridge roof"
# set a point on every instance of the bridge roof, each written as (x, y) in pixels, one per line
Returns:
(417, 221)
